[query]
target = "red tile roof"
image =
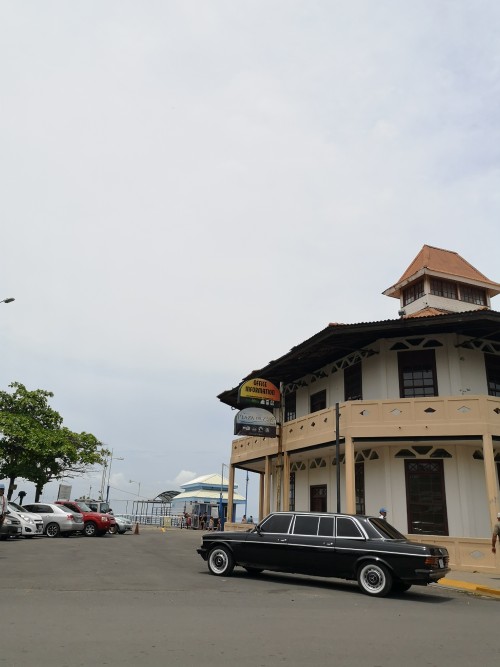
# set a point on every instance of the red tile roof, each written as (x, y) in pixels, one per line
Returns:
(444, 261)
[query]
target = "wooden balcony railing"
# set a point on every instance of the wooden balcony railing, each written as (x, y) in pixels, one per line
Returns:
(453, 416)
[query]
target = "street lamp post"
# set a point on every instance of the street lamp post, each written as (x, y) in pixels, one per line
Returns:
(107, 467)
(132, 481)
(136, 502)
(111, 459)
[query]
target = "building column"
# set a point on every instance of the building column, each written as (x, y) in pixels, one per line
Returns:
(350, 476)
(267, 487)
(491, 477)
(230, 494)
(261, 496)
(286, 481)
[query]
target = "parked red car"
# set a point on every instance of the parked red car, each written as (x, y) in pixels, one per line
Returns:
(95, 523)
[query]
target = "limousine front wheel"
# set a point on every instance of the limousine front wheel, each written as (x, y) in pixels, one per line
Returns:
(220, 562)
(374, 579)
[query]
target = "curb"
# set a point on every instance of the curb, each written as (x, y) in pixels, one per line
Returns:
(476, 589)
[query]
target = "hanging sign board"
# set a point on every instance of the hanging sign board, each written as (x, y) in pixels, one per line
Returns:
(64, 492)
(255, 421)
(259, 392)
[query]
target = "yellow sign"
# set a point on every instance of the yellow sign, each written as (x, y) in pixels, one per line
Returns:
(259, 392)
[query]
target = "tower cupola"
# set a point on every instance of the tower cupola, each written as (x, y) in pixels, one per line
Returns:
(441, 281)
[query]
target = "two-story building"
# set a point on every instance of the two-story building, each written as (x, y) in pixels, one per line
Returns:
(402, 413)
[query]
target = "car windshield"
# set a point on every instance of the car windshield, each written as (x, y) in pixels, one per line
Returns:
(385, 529)
(17, 508)
(83, 507)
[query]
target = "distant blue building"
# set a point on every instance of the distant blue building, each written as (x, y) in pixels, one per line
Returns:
(203, 496)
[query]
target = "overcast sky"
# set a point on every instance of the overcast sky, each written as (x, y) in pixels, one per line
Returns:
(188, 189)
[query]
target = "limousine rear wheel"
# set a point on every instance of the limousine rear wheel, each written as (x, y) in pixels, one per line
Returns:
(220, 562)
(374, 579)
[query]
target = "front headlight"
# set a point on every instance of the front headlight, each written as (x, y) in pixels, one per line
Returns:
(26, 518)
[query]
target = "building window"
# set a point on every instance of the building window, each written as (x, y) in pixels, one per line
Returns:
(414, 292)
(318, 401)
(473, 295)
(417, 374)
(492, 363)
(291, 406)
(444, 288)
(318, 498)
(353, 388)
(426, 497)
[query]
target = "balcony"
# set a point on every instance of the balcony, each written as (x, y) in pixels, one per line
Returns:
(453, 416)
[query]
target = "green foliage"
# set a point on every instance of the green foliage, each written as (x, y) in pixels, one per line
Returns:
(35, 445)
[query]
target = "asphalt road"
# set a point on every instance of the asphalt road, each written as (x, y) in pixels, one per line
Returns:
(148, 600)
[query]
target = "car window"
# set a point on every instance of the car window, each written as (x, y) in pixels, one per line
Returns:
(83, 507)
(347, 528)
(306, 525)
(386, 530)
(44, 509)
(277, 523)
(326, 526)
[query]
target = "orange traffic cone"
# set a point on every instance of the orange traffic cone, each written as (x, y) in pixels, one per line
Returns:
(136, 529)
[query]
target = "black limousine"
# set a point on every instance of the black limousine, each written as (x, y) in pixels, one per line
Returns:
(354, 547)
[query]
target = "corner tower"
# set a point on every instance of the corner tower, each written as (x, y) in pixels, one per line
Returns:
(440, 281)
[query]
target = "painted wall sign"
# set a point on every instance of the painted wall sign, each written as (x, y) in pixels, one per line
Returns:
(259, 392)
(255, 421)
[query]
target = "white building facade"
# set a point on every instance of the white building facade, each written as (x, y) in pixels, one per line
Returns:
(418, 424)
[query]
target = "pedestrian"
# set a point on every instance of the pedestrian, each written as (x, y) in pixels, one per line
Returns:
(244, 518)
(250, 519)
(496, 534)
(3, 504)
(211, 523)
(383, 513)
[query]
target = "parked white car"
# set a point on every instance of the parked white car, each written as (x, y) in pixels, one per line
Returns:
(31, 524)
(123, 522)
(57, 520)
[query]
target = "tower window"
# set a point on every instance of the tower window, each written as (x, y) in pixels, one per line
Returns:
(444, 288)
(414, 292)
(472, 295)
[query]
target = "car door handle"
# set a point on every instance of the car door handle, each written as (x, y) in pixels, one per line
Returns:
(328, 544)
(283, 540)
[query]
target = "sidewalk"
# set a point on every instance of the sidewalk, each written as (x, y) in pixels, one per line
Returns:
(476, 583)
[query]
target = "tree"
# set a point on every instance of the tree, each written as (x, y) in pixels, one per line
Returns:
(36, 446)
